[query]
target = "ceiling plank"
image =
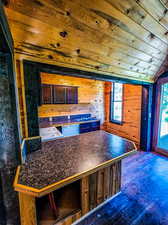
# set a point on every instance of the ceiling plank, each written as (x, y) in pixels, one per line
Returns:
(134, 11)
(117, 56)
(105, 36)
(156, 9)
(101, 8)
(52, 37)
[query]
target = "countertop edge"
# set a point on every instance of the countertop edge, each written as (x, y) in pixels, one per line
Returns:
(43, 191)
(70, 123)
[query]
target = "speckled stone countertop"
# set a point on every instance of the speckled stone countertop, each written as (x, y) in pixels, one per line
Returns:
(66, 157)
(63, 123)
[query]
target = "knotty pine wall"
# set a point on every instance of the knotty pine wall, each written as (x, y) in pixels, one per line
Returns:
(90, 97)
(131, 113)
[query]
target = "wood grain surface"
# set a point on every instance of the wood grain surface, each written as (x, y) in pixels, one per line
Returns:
(126, 39)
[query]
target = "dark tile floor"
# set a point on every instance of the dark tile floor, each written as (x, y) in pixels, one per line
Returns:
(144, 196)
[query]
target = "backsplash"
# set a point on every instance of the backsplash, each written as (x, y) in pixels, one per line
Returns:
(82, 116)
(65, 118)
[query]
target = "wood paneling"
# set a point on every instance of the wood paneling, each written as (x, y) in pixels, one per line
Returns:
(126, 39)
(131, 112)
(104, 184)
(85, 195)
(90, 96)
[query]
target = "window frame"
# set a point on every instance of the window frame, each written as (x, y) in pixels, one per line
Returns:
(112, 104)
(155, 146)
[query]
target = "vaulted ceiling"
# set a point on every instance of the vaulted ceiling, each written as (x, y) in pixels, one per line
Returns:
(125, 38)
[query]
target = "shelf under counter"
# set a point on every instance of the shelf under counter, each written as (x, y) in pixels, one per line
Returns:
(93, 158)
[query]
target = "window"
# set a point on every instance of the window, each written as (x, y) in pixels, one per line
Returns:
(116, 103)
(57, 94)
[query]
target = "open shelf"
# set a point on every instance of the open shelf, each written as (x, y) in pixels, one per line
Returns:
(67, 201)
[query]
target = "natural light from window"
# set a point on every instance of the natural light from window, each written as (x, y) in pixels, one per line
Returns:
(116, 102)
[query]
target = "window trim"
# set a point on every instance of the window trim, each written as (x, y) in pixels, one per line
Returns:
(112, 105)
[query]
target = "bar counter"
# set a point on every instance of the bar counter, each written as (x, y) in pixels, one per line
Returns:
(89, 158)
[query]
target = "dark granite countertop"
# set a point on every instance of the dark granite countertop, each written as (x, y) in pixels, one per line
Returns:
(46, 124)
(70, 156)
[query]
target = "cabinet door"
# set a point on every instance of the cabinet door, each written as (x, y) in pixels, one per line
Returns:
(46, 94)
(59, 93)
(70, 130)
(71, 95)
(95, 126)
(87, 127)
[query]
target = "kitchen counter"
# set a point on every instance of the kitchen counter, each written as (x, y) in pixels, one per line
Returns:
(64, 122)
(64, 160)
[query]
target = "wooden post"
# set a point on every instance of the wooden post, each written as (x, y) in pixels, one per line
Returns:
(27, 209)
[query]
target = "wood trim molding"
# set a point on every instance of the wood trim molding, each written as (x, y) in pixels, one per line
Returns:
(53, 69)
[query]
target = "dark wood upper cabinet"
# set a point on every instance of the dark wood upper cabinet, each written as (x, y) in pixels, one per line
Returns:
(47, 94)
(71, 95)
(57, 94)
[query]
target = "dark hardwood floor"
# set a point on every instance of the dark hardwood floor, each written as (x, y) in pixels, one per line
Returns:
(144, 196)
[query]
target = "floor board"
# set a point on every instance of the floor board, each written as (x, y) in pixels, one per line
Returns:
(144, 196)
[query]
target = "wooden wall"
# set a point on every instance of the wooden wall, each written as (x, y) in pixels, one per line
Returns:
(131, 113)
(125, 38)
(132, 103)
(21, 98)
(90, 97)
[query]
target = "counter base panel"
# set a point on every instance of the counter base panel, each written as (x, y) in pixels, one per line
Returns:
(93, 190)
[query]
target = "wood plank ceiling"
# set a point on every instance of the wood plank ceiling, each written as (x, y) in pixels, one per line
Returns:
(127, 38)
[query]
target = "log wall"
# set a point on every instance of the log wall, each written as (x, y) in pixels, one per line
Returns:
(131, 113)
